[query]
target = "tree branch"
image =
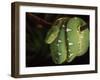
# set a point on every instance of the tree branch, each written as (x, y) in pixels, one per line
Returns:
(37, 20)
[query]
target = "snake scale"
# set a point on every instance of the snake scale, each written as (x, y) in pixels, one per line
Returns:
(68, 38)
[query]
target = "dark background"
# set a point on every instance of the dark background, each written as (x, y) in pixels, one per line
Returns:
(37, 51)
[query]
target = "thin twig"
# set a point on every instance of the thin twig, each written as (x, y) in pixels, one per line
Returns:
(37, 19)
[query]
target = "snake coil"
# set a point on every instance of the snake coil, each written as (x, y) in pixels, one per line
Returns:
(68, 38)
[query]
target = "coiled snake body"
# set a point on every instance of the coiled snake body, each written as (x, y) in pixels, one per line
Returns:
(68, 38)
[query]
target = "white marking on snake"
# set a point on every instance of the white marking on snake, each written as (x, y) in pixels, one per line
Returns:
(59, 41)
(63, 26)
(71, 55)
(70, 44)
(77, 31)
(68, 29)
(59, 54)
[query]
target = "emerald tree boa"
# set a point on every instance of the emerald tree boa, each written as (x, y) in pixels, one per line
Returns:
(68, 38)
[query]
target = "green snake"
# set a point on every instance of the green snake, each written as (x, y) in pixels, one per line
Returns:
(68, 38)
